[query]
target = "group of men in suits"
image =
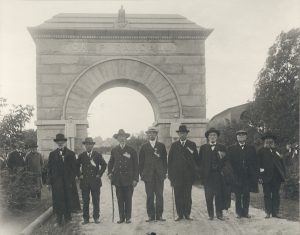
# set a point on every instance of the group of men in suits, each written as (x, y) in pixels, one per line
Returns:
(237, 168)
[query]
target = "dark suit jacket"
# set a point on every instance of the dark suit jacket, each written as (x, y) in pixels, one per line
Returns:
(205, 163)
(15, 159)
(267, 160)
(182, 163)
(61, 177)
(89, 171)
(124, 169)
(150, 164)
(249, 171)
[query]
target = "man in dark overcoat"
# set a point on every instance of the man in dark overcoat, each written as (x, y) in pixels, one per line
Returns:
(153, 170)
(272, 174)
(91, 168)
(33, 164)
(212, 160)
(243, 160)
(62, 170)
(182, 172)
(16, 159)
(123, 170)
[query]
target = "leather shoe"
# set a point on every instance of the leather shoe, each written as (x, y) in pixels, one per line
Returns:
(238, 216)
(160, 219)
(276, 216)
(220, 217)
(120, 221)
(150, 219)
(85, 222)
(128, 221)
(247, 216)
(187, 217)
(179, 218)
(97, 221)
(210, 218)
(267, 216)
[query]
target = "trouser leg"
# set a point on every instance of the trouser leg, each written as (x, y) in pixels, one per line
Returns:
(121, 203)
(187, 199)
(128, 201)
(209, 197)
(96, 202)
(159, 198)
(68, 201)
(178, 193)
(149, 187)
(238, 203)
(275, 198)
(246, 201)
(86, 203)
(267, 198)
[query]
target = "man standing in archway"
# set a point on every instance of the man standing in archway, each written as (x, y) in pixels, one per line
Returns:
(124, 174)
(92, 167)
(182, 172)
(153, 169)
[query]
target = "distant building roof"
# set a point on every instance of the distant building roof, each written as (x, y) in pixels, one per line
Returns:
(230, 114)
(109, 24)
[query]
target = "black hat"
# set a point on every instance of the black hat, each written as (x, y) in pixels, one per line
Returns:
(241, 132)
(60, 137)
(32, 145)
(269, 135)
(182, 128)
(121, 132)
(212, 130)
(88, 140)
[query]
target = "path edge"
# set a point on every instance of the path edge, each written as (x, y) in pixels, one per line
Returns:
(37, 222)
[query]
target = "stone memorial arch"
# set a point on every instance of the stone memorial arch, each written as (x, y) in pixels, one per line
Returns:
(80, 55)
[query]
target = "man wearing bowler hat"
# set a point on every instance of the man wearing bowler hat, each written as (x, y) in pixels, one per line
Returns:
(91, 168)
(212, 159)
(62, 170)
(272, 174)
(153, 169)
(243, 160)
(182, 172)
(124, 174)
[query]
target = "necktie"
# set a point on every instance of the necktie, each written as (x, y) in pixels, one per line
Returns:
(89, 154)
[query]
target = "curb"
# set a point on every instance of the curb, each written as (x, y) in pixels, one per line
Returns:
(37, 222)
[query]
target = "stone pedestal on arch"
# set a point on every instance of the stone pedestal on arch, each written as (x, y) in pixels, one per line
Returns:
(81, 55)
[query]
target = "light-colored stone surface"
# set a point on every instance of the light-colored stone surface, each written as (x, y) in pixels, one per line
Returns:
(71, 72)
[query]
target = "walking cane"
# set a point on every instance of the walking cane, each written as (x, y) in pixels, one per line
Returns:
(113, 204)
(173, 202)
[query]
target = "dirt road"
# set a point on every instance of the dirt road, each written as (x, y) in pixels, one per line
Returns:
(200, 225)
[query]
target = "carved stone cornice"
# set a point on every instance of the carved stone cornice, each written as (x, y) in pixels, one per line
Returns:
(119, 34)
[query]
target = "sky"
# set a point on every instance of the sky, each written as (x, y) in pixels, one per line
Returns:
(235, 51)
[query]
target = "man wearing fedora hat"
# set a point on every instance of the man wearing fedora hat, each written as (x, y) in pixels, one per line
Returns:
(33, 164)
(91, 168)
(153, 169)
(272, 174)
(212, 159)
(182, 172)
(243, 160)
(124, 174)
(62, 170)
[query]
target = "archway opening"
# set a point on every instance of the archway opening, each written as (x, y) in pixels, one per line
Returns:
(116, 108)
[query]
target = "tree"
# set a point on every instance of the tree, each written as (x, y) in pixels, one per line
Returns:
(276, 98)
(13, 123)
